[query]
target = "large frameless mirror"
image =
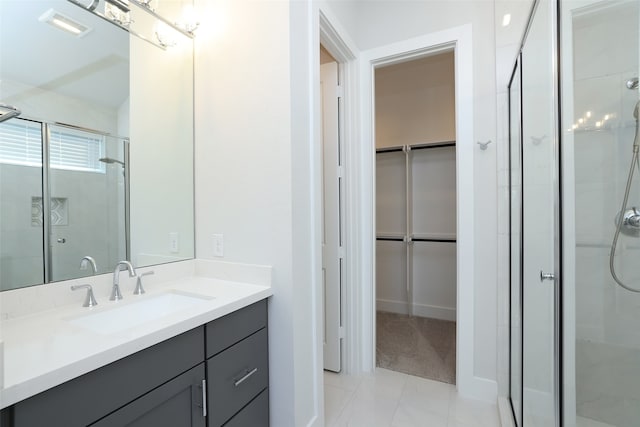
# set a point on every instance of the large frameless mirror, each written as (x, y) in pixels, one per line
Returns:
(98, 165)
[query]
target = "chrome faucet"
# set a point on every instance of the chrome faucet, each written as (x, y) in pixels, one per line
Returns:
(92, 262)
(115, 292)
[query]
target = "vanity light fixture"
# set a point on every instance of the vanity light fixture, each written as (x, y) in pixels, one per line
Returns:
(65, 23)
(189, 22)
(189, 27)
(164, 36)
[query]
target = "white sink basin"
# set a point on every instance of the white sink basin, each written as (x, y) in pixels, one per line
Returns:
(125, 315)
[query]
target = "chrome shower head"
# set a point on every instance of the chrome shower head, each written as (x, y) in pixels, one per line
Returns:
(632, 83)
(8, 111)
(110, 161)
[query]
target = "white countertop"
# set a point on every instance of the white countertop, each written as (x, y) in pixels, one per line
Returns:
(45, 349)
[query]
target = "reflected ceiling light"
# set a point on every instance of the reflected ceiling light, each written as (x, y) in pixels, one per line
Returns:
(189, 21)
(588, 114)
(598, 124)
(607, 117)
(65, 23)
(506, 20)
(580, 121)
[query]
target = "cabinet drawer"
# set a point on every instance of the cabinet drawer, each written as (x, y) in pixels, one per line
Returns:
(236, 376)
(255, 414)
(177, 403)
(84, 400)
(224, 332)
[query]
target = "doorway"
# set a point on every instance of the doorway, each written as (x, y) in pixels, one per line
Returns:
(415, 144)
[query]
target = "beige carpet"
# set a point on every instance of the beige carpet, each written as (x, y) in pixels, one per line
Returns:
(417, 345)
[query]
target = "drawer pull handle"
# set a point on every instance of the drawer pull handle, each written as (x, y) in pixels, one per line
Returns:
(204, 398)
(245, 377)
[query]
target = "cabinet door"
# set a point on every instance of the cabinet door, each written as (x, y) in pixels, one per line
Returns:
(177, 403)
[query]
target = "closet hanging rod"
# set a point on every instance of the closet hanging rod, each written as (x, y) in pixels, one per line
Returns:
(399, 148)
(445, 240)
(421, 146)
(433, 145)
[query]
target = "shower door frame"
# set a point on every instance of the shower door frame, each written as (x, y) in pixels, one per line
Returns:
(558, 183)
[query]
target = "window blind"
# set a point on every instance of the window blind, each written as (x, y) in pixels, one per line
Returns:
(21, 144)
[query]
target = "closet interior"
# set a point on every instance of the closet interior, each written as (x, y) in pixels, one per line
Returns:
(416, 217)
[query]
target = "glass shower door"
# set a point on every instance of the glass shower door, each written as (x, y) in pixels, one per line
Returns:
(601, 293)
(540, 251)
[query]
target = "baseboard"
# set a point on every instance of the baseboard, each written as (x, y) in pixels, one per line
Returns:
(478, 388)
(421, 310)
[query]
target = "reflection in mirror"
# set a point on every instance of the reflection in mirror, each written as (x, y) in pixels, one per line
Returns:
(83, 96)
(89, 170)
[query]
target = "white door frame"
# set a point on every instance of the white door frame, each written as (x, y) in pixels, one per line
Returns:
(458, 39)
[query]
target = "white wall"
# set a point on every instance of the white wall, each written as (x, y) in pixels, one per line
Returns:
(253, 168)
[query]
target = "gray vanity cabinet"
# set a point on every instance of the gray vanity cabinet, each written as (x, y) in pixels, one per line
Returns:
(238, 368)
(88, 398)
(163, 384)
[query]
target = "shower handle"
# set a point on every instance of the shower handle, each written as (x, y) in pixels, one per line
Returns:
(547, 276)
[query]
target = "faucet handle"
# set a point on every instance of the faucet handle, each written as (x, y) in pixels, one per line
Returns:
(139, 289)
(89, 300)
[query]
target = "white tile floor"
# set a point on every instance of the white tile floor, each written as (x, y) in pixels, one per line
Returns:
(393, 399)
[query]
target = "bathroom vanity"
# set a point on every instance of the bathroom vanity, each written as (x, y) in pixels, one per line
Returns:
(203, 364)
(212, 375)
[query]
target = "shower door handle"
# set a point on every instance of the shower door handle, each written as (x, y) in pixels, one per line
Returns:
(547, 276)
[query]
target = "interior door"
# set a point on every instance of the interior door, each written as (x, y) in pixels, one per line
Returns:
(540, 248)
(332, 240)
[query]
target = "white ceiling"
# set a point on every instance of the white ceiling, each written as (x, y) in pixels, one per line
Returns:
(94, 68)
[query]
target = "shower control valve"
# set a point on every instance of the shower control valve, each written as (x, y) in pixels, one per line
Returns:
(631, 218)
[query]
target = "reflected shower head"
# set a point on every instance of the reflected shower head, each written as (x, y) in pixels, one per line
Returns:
(8, 111)
(110, 161)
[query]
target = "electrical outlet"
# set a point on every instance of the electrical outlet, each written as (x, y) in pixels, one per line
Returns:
(174, 246)
(218, 245)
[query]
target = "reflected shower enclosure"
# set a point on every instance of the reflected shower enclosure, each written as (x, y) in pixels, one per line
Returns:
(72, 206)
